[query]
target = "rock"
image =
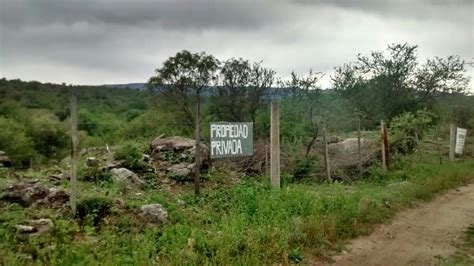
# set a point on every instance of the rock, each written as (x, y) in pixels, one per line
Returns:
(25, 228)
(57, 196)
(175, 143)
(153, 214)
(180, 172)
(5, 160)
(348, 146)
(92, 162)
(36, 226)
(174, 157)
(28, 193)
(42, 225)
(56, 177)
(124, 175)
(115, 164)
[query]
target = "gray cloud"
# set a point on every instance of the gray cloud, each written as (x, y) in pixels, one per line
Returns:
(105, 41)
(170, 14)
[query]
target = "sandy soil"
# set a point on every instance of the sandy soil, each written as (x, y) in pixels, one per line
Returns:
(418, 236)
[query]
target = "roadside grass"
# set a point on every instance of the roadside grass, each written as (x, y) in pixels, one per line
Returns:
(465, 252)
(246, 224)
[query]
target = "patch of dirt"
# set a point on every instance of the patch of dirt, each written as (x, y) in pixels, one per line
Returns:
(419, 236)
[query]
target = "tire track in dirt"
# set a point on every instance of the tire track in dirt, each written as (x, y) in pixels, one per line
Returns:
(416, 236)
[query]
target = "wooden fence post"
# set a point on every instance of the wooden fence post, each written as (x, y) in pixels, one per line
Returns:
(359, 151)
(326, 152)
(74, 142)
(266, 160)
(275, 145)
(382, 139)
(452, 141)
(386, 146)
(438, 143)
(197, 152)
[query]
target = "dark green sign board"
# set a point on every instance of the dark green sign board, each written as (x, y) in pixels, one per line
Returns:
(231, 139)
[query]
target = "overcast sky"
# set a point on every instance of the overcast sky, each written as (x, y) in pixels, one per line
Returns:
(106, 41)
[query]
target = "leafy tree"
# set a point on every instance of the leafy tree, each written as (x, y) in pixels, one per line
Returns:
(48, 134)
(384, 85)
(408, 130)
(242, 90)
(182, 79)
(301, 107)
(15, 141)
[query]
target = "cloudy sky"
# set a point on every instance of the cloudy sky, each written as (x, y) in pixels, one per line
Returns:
(107, 41)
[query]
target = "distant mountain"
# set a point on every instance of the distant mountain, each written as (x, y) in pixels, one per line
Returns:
(273, 93)
(132, 86)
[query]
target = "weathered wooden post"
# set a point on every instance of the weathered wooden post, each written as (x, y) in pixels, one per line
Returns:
(197, 152)
(359, 151)
(275, 144)
(382, 139)
(326, 152)
(438, 143)
(74, 142)
(266, 160)
(452, 141)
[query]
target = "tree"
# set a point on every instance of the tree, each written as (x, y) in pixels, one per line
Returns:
(300, 107)
(386, 84)
(182, 79)
(242, 90)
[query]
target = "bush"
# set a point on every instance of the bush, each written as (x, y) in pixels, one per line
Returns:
(408, 130)
(49, 135)
(92, 210)
(132, 153)
(303, 168)
(15, 141)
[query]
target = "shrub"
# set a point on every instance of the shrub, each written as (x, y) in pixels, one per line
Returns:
(132, 153)
(408, 130)
(92, 210)
(15, 142)
(303, 168)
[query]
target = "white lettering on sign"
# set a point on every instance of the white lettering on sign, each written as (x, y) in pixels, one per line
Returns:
(221, 147)
(229, 131)
(461, 134)
(231, 139)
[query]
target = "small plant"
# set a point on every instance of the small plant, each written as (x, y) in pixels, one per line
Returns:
(97, 176)
(170, 156)
(132, 153)
(295, 255)
(303, 168)
(91, 211)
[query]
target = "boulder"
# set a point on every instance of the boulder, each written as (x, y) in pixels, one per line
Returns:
(121, 175)
(174, 157)
(153, 214)
(175, 143)
(31, 193)
(25, 229)
(35, 226)
(92, 162)
(348, 146)
(5, 160)
(180, 172)
(183, 147)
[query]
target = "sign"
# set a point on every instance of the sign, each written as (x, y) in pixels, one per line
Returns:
(231, 139)
(461, 134)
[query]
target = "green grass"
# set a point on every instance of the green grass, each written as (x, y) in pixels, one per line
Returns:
(465, 252)
(246, 224)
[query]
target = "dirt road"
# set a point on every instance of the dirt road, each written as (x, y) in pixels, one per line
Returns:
(416, 236)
